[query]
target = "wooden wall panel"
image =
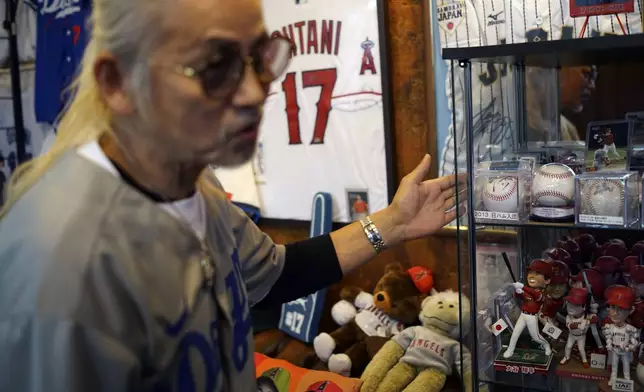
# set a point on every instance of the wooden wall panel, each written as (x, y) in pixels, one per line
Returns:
(415, 133)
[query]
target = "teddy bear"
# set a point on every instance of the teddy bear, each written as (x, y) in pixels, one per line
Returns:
(367, 318)
(421, 357)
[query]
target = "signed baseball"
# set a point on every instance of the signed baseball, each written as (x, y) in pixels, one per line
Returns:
(553, 185)
(604, 197)
(500, 194)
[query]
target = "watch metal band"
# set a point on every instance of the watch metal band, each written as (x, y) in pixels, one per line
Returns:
(373, 234)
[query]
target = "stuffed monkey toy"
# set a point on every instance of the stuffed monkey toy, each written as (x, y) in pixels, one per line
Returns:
(420, 358)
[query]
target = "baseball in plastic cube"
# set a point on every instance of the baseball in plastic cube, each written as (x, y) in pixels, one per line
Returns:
(500, 189)
(553, 193)
(608, 199)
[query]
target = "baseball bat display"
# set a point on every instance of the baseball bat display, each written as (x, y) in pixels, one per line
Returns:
(509, 267)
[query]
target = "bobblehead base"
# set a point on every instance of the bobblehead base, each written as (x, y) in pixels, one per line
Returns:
(524, 361)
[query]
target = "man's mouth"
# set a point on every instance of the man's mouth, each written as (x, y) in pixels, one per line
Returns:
(247, 133)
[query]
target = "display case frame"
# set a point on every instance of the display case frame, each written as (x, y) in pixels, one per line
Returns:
(552, 55)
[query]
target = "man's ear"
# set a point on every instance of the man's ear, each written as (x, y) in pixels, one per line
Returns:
(111, 83)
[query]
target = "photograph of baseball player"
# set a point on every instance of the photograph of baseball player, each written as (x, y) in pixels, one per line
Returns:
(622, 339)
(578, 321)
(600, 7)
(532, 296)
(358, 204)
(607, 145)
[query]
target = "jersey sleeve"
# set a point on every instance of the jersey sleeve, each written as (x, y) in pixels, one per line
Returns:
(462, 359)
(60, 356)
(262, 261)
(404, 338)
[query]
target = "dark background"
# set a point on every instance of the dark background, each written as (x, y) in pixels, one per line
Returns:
(619, 89)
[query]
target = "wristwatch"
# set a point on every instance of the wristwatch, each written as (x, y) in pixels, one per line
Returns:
(373, 234)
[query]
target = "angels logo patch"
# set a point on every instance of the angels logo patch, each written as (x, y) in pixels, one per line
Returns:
(450, 14)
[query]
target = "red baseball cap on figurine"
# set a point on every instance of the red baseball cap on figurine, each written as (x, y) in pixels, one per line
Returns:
(324, 386)
(577, 296)
(608, 264)
(621, 296)
(559, 254)
(541, 267)
(637, 273)
(629, 262)
(560, 272)
(595, 279)
(422, 278)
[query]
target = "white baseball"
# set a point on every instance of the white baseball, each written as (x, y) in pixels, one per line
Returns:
(553, 185)
(603, 197)
(500, 194)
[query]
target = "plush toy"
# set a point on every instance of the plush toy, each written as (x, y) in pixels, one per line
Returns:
(420, 358)
(394, 305)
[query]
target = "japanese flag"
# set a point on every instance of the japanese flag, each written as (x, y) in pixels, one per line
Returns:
(499, 327)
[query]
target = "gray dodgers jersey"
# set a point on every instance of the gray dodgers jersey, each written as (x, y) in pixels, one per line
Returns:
(102, 290)
(425, 348)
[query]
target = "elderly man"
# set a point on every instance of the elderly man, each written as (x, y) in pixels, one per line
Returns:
(123, 267)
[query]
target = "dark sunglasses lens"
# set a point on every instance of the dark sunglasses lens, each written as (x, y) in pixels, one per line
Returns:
(276, 57)
(217, 76)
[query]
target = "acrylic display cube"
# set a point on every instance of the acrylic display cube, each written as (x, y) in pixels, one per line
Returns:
(502, 190)
(608, 199)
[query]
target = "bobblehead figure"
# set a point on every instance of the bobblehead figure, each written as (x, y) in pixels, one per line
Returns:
(622, 339)
(554, 293)
(539, 275)
(577, 321)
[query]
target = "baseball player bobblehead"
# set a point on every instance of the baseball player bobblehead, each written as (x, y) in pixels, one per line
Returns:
(62, 37)
(554, 293)
(622, 339)
(323, 120)
(539, 276)
(577, 322)
(478, 23)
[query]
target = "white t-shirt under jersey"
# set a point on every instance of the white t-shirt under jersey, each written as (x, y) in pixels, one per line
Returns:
(191, 211)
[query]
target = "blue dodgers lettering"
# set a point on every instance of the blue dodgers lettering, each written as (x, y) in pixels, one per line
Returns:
(240, 312)
(208, 351)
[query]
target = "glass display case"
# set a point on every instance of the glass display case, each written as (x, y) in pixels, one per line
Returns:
(551, 244)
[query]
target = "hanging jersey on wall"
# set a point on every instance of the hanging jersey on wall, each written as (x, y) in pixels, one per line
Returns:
(466, 24)
(62, 37)
(34, 132)
(323, 125)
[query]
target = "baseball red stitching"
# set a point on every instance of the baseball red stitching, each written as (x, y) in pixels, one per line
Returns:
(593, 184)
(503, 197)
(553, 194)
(557, 176)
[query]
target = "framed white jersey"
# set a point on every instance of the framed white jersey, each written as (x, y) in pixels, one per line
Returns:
(481, 23)
(323, 128)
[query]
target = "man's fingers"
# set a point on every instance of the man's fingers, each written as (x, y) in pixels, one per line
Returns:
(452, 214)
(451, 192)
(417, 175)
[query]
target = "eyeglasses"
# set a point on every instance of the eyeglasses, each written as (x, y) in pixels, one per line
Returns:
(221, 74)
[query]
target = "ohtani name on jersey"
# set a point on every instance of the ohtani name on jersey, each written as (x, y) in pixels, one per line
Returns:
(313, 36)
(432, 346)
(450, 11)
